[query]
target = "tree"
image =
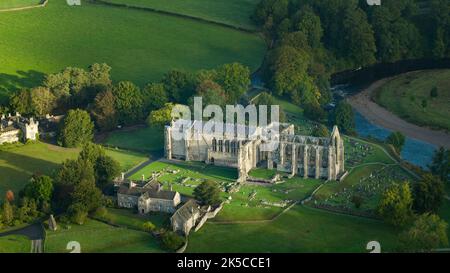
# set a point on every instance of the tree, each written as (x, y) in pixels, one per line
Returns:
(128, 102)
(155, 96)
(20, 102)
(77, 129)
(397, 140)
(104, 111)
(40, 188)
(7, 213)
(179, 85)
(234, 79)
(77, 213)
(67, 177)
(427, 232)
(99, 74)
(106, 169)
(440, 164)
(211, 93)
(208, 193)
(42, 101)
(344, 117)
(395, 204)
(161, 117)
(172, 241)
(314, 112)
(321, 131)
(87, 196)
(428, 194)
(309, 23)
(358, 42)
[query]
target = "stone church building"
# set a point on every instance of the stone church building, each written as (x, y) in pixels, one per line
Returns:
(305, 156)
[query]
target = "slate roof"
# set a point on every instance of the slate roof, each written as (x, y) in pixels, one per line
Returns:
(185, 211)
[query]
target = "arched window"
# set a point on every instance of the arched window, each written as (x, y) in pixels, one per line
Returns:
(233, 147)
(214, 145)
(227, 146)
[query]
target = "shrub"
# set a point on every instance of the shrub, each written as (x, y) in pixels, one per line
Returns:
(172, 241)
(357, 201)
(148, 226)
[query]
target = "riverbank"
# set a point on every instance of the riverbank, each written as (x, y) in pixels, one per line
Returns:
(376, 114)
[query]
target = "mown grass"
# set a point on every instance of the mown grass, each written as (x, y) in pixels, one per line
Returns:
(97, 237)
(301, 229)
(19, 161)
(8, 4)
(146, 139)
(403, 95)
(131, 219)
(233, 12)
(15, 244)
(140, 46)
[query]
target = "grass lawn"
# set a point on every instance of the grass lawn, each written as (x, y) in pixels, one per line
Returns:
(403, 96)
(129, 218)
(19, 161)
(254, 202)
(195, 171)
(15, 244)
(8, 4)
(301, 229)
(140, 46)
(98, 237)
(146, 139)
(126, 159)
(233, 12)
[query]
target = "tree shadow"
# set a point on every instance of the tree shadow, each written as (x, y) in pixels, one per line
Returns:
(23, 167)
(23, 79)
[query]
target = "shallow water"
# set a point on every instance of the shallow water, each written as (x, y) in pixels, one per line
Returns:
(415, 151)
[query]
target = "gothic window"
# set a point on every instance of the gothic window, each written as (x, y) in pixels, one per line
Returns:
(227, 146)
(288, 153)
(214, 145)
(233, 147)
(220, 145)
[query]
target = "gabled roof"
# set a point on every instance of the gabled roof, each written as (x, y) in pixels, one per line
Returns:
(186, 211)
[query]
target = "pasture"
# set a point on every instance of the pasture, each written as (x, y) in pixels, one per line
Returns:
(301, 229)
(140, 46)
(97, 237)
(9, 4)
(15, 244)
(409, 97)
(232, 12)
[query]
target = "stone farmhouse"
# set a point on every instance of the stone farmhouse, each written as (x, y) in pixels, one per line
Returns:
(305, 156)
(17, 128)
(186, 217)
(147, 197)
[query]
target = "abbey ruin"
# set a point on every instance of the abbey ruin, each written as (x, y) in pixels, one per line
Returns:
(305, 156)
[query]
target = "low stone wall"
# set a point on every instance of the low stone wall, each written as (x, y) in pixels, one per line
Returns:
(41, 5)
(183, 248)
(208, 215)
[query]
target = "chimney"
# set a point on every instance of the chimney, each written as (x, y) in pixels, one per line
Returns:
(122, 176)
(132, 185)
(143, 178)
(192, 210)
(17, 114)
(170, 188)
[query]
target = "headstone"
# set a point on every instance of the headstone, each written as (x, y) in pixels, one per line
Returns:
(52, 223)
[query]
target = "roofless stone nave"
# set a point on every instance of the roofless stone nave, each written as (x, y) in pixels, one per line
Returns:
(305, 156)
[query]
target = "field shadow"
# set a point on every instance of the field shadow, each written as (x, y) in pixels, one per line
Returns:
(23, 79)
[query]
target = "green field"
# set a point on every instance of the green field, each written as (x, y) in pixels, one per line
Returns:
(301, 229)
(140, 46)
(98, 237)
(142, 139)
(8, 4)
(403, 95)
(19, 161)
(233, 12)
(15, 244)
(131, 219)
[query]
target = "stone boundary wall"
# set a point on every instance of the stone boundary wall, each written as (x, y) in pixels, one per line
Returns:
(41, 5)
(182, 249)
(163, 12)
(208, 215)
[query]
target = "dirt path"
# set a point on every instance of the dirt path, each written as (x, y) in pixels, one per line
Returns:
(382, 117)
